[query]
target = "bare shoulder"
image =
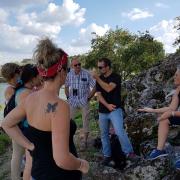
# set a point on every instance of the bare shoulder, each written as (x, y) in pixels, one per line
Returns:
(31, 96)
(24, 94)
(9, 88)
(59, 105)
(63, 103)
(59, 108)
(9, 92)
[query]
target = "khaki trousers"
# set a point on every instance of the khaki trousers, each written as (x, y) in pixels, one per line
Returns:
(16, 161)
(85, 115)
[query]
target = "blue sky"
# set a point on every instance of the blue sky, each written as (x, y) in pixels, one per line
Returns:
(70, 23)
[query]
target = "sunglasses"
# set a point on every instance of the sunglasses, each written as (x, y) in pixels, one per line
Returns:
(79, 64)
(101, 67)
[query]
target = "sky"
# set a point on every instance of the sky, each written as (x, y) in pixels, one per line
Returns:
(70, 23)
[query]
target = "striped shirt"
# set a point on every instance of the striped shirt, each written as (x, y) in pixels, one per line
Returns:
(79, 86)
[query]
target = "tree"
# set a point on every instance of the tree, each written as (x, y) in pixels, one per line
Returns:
(141, 54)
(130, 53)
(177, 41)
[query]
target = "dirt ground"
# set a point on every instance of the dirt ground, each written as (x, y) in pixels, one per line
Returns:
(5, 165)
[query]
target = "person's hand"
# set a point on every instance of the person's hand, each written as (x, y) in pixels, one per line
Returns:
(31, 149)
(111, 107)
(94, 74)
(165, 115)
(146, 109)
(84, 167)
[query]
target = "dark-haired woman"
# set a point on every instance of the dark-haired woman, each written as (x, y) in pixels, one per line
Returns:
(29, 77)
(50, 130)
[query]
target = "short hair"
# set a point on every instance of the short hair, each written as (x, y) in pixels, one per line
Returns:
(29, 72)
(9, 70)
(107, 62)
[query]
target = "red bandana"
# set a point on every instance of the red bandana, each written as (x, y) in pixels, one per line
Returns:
(51, 71)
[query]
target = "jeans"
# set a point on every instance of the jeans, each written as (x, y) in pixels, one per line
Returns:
(116, 118)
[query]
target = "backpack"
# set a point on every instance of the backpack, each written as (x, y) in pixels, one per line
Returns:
(97, 143)
(11, 103)
(118, 155)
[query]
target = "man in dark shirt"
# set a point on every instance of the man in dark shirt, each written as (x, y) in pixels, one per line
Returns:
(108, 90)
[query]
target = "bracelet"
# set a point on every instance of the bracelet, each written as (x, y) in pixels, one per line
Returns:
(172, 113)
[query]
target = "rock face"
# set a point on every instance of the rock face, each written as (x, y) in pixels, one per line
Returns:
(152, 88)
(143, 170)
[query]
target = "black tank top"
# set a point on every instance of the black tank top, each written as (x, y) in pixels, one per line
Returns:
(44, 166)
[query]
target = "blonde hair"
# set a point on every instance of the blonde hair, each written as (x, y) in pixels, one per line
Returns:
(47, 53)
(9, 70)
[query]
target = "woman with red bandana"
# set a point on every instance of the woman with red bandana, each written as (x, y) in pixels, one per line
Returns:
(49, 137)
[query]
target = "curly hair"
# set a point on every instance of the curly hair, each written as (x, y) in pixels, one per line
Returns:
(47, 53)
(9, 70)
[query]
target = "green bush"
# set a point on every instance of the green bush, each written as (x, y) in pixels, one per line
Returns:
(4, 142)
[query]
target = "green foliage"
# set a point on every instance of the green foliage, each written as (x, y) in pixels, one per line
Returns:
(178, 50)
(93, 117)
(1, 107)
(4, 142)
(78, 120)
(130, 53)
(177, 41)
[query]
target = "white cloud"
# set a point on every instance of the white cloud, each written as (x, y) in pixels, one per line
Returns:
(76, 50)
(29, 24)
(19, 38)
(161, 5)
(137, 13)
(14, 41)
(165, 32)
(83, 43)
(13, 57)
(68, 13)
(86, 34)
(4, 15)
(20, 3)
(51, 20)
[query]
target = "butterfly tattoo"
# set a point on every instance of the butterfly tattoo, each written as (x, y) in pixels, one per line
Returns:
(51, 107)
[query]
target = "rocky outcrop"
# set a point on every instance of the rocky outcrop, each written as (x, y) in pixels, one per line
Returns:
(143, 170)
(152, 88)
